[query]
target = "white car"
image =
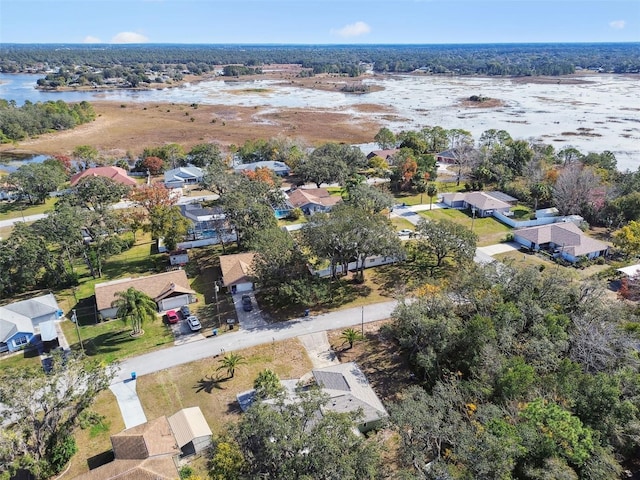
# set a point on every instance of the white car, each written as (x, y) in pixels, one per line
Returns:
(405, 232)
(194, 323)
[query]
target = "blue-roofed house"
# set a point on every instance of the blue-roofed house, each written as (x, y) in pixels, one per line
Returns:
(279, 168)
(181, 176)
(21, 321)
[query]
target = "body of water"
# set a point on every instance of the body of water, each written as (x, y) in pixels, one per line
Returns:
(601, 112)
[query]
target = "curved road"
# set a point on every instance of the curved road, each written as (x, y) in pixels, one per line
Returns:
(237, 340)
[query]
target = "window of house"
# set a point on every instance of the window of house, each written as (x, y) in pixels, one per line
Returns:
(18, 342)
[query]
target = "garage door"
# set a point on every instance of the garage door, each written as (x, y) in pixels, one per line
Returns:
(244, 287)
(174, 302)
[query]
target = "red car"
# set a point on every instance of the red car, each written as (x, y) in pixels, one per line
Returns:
(172, 316)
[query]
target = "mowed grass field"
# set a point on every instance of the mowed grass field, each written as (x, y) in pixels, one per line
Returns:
(489, 230)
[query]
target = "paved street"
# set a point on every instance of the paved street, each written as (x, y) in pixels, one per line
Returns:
(237, 340)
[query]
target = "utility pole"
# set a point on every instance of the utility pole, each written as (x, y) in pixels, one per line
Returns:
(473, 218)
(74, 319)
(217, 287)
(362, 322)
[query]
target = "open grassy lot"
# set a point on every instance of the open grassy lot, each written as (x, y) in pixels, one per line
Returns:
(201, 384)
(489, 230)
(402, 223)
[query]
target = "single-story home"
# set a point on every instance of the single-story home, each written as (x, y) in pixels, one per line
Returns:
(482, 204)
(313, 200)
(348, 390)
(181, 176)
(237, 271)
(117, 174)
(21, 321)
(448, 156)
(563, 239)
(144, 451)
(169, 290)
(279, 168)
(386, 155)
(191, 430)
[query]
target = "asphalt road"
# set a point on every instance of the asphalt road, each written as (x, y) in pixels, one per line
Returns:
(237, 340)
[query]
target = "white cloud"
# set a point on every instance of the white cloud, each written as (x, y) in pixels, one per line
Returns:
(129, 37)
(618, 24)
(352, 30)
(91, 39)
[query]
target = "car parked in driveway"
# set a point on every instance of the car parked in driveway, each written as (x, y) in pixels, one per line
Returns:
(405, 232)
(172, 316)
(247, 305)
(194, 323)
(185, 311)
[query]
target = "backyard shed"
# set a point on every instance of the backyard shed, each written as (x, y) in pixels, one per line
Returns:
(191, 430)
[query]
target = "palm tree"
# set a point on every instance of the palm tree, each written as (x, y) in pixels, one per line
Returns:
(350, 336)
(230, 362)
(432, 191)
(135, 305)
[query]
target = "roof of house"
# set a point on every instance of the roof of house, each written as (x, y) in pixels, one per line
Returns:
(484, 201)
(448, 154)
(349, 390)
(150, 439)
(180, 174)
(275, 166)
(159, 285)
(319, 196)
(566, 234)
(454, 197)
(390, 152)
(188, 424)
(236, 268)
(631, 270)
(17, 316)
(159, 468)
(116, 174)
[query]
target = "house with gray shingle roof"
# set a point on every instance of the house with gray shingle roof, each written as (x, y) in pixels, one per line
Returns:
(561, 239)
(21, 321)
(181, 176)
(484, 203)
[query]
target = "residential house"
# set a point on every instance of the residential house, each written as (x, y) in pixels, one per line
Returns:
(117, 174)
(169, 290)
(181, 176)
(179, 257)
(348, 391)
(448, 156)
(146, 451)
(561, 239)
(191, 431)
(313, 200)
(387, 154)
(279, 168)
(482, 204)
(237, 271)
(21, 321)
(203, 219)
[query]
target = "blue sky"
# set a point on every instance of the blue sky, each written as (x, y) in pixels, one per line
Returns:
(318, 21)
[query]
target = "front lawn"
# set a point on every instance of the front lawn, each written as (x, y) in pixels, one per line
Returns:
(20, 209)
(489, 230)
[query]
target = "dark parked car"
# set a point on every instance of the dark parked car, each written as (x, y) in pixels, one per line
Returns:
(185, 311)
(247, 306)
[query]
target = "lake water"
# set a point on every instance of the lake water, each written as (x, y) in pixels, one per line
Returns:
(603, 113)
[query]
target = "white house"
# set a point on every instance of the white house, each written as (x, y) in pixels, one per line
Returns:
(21, 321)
(279, 168)
(181, 176)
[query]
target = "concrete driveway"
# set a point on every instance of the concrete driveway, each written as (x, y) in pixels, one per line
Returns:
(182, 333)
(248, 320)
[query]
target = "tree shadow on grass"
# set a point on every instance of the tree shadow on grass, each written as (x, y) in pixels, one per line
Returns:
(209, 383)
(107, 342)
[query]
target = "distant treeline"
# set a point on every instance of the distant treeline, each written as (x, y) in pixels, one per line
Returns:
(18, 123)
(489, 59)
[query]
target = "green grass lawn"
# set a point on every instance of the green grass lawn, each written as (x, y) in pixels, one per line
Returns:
(17, 209)
(522, 213)
(284, 222)
(112, 340)
(402, 223)
(489, 230)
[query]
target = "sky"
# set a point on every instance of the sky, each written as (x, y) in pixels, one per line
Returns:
(318, 21)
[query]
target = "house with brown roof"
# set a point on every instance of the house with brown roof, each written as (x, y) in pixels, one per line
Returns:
(237, 271)
(169, 290)
(117, 174)
(313, 200)
(561, 239)
(387, 155)
(150, 451)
